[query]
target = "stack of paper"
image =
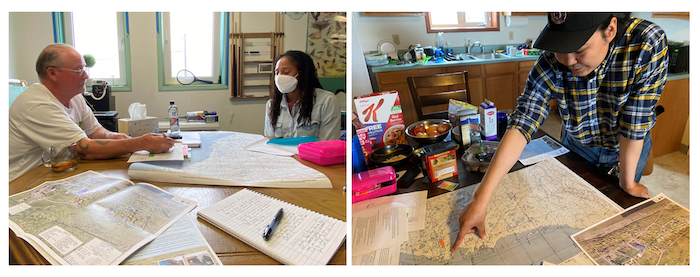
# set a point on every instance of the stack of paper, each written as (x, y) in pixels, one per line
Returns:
(382, 224)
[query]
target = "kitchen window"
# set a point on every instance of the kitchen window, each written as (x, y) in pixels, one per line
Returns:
(192, 41)
(103, 35)
(461, 21)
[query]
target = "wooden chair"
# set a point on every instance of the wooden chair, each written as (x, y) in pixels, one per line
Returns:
(442, 91)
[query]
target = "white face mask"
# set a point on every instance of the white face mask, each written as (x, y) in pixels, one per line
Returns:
(286, 83)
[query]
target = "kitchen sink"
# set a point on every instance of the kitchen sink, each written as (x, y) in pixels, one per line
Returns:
(488, 56)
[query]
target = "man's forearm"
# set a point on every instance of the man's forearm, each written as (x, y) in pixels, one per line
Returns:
(95, 149)
(630, 150)
(507, 155)
(101, 133)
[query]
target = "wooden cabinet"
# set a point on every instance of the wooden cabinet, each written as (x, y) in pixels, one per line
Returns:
(499, 89)
(667, 135)
(501, 83)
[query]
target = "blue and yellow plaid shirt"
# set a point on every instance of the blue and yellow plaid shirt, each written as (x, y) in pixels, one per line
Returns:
(617, 98)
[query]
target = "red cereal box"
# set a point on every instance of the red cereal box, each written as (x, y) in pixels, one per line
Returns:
(381, 114)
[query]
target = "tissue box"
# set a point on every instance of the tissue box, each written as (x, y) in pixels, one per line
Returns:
(138, 127)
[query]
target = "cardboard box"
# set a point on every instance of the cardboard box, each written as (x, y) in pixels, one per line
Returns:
(488, 120)
(381, 114)
(138, 127)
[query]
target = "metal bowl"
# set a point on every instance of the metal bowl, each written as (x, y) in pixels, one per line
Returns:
(423, 141)
(387, 155)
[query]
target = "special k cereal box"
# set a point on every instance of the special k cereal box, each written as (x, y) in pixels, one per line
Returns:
(381, 114)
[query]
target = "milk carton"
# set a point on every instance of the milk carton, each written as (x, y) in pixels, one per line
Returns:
(489, 125)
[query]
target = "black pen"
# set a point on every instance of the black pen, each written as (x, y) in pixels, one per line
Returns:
(270, 228)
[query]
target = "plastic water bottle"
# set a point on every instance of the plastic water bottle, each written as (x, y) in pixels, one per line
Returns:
(174, 119)
(448, 51)
(420, 55)
(440, 42)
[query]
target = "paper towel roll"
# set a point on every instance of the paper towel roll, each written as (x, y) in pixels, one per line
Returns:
(516, 21)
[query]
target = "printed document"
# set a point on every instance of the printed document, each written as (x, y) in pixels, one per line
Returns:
(174, 154)
(93, 219)
(181, 244)
(415, 206)
(384, 256)
(382, 226)
(541, 149)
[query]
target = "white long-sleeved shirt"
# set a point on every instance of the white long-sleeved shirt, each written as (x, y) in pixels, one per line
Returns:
(324, 124)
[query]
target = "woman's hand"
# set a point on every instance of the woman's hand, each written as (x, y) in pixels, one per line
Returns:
(471, 220)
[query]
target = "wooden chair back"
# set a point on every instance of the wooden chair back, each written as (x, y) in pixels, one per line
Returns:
(431, 91)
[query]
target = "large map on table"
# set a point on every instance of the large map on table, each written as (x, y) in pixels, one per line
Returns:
(222, 160)
(530, 217)
(654, 232)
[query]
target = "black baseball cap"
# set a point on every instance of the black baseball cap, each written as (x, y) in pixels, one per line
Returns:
(566, 32)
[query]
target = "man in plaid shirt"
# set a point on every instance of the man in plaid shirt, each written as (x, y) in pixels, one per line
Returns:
(606, 72)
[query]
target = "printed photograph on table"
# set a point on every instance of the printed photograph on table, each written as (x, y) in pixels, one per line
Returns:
(509, 161)
(230, 152)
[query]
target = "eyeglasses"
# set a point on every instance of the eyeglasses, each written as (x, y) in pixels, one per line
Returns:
(79, 71)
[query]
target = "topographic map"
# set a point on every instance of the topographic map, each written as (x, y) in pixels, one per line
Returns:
(654, 232)
(222, 160)
(531, 215)
(91, 218)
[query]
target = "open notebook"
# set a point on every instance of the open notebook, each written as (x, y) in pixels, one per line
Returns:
(303, 237)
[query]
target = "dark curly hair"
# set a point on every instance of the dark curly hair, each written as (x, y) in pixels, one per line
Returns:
(308, 82)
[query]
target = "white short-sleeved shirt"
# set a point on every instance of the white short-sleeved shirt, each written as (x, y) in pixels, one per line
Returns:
(38, 120)
(324, 124)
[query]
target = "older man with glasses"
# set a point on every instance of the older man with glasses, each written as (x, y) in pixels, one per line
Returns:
(54, 112)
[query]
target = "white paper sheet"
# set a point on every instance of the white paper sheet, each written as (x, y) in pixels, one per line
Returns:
(415, 206)
(382, 226)
(385, 256)
(174, 154)
(541, 149)
(262, 147)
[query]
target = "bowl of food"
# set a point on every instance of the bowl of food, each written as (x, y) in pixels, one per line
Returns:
(429, 131)
(391, 155)
(394, 135)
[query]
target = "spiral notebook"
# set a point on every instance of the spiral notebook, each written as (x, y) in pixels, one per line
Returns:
(303, 237)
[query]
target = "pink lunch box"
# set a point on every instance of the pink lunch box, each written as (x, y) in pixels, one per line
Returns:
(373, 183)
(323, 152)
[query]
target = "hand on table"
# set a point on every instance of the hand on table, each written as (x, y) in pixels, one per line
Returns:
(156, 143)
(471, 220)
(636, 189)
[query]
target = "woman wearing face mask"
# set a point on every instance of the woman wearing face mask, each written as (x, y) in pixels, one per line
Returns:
(300, 107)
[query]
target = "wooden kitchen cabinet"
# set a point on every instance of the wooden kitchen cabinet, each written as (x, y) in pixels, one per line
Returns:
(667, 135)
(499, 82)
(499, 90)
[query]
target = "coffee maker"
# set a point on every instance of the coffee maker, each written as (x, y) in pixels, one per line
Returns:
(102, 103)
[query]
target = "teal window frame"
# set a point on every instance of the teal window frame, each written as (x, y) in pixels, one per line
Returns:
(62, 36)
(223, 58)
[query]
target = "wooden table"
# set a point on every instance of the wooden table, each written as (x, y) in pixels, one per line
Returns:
(331, 202)
(596, 176)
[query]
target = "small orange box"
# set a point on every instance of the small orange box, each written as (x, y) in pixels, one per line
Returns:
(440, 160)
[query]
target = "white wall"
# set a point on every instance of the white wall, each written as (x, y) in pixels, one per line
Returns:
(31, 32)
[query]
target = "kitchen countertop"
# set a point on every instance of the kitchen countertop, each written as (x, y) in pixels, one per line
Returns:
(431, 64)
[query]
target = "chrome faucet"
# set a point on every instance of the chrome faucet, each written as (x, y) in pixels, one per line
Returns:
(470, 46)
(481, 45)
